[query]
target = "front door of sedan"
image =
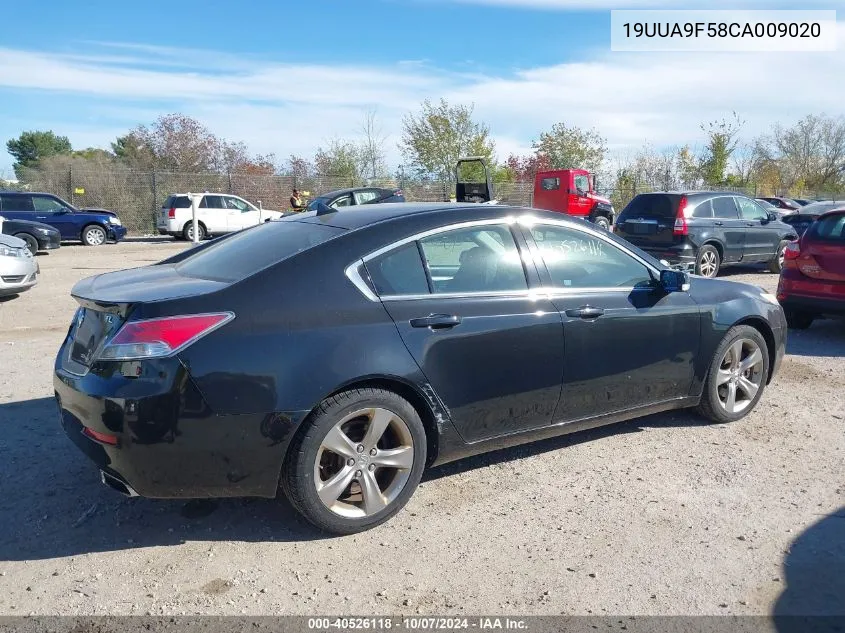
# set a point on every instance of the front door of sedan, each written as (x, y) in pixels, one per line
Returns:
(491, 350)
(628, 343)
(761, 236)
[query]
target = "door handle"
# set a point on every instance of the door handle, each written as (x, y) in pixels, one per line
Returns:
(437, 321)
(718, 223)
(585, 312)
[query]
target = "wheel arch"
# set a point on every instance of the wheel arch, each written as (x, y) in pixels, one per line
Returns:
(715, 243)
(200, 222)
(424, 401)
(96, 223)
(760, 324)
(28, 234)
(601, 209)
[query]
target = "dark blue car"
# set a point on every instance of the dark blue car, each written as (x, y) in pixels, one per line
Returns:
(92, 227)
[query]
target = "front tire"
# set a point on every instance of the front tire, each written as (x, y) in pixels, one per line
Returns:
(708, 261)
(737, 376)
(356, 461)
(94, 235)
(31, 242)
(602, 221)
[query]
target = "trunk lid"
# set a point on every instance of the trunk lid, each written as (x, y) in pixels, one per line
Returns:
(649, 219)
(107, 300)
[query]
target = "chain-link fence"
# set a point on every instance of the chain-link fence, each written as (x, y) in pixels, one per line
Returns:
(137, 196)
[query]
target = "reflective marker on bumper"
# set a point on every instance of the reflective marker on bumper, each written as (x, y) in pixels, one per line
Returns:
(102, 438)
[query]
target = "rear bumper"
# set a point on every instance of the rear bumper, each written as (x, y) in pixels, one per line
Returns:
(683, 255)
(797, 292)
(167, 442)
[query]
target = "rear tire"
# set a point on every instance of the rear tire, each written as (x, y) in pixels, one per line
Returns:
(338, 470)
(94, 235)
(737, 376)
(31, 242)
(798, 320)
(188, 231)
(707, 261)
(776, 265)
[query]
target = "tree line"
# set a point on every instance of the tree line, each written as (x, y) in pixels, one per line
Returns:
(806, 156)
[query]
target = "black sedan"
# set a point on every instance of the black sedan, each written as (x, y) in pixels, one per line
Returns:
(336, 355)
(353, 197)
(38, 236)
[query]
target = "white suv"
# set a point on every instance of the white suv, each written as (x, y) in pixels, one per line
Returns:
(217, 213)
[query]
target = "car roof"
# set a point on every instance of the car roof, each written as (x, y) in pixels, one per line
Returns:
(361, 216)
(692, 192)
(339, 192)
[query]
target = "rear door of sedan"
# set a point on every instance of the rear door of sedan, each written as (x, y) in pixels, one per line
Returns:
(628, 343)
(462, 300)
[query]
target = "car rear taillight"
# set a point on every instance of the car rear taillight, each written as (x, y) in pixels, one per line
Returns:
(171, 214)
(155, 338)
(681, 227)
(792, 251)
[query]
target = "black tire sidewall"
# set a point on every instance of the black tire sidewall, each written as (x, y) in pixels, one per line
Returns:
(298, 474)
(701, 251)
(30, 241)
(602, 222)
(712, 406)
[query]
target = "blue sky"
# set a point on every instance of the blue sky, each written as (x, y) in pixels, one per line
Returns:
(285, 77)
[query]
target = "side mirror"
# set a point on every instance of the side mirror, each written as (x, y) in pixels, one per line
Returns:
(674, 280)
(62, 211)
(772, 216)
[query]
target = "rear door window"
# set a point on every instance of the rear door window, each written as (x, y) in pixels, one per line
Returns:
(399, 272)
(20, 204)
(724, 207)
(212, 202)
(703, 210)
(368, 195)
(246, 252)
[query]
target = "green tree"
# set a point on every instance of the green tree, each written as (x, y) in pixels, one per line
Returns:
(570, 147)
(340, 158)
(722, 138)
(435, 138)
(32, 146)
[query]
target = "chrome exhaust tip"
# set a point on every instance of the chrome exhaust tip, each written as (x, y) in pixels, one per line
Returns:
(117, 484)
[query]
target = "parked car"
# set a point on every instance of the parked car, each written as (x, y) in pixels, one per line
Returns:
(217, 214)
(705, 231)
(398, 341)
(93, 227)
(18, 268)
(800, 221)
(821, 206)
(812, 282)
(356, 196)
(783, 203)
(38, 236)
(770, 208)
(802, 201)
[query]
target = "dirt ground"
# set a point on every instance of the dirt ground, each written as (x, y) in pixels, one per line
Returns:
(663, 515)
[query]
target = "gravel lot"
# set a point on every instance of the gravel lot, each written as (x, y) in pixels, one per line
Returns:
(663, 515)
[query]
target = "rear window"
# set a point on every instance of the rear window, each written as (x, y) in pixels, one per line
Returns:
(830, 228)
(177, 202)
(245, 253)
(651, 205)
(16, 202)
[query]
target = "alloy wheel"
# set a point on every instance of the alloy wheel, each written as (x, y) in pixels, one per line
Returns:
(707, 263)
(364, 462)
(95, 236)
(740, 375)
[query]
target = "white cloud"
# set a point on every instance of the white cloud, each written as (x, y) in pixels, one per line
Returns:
(292, 108)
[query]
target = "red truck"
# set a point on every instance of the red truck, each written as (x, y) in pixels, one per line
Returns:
(572, 191)
(569, 191)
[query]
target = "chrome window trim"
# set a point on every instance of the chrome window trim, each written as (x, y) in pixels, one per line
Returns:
(354, 274)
